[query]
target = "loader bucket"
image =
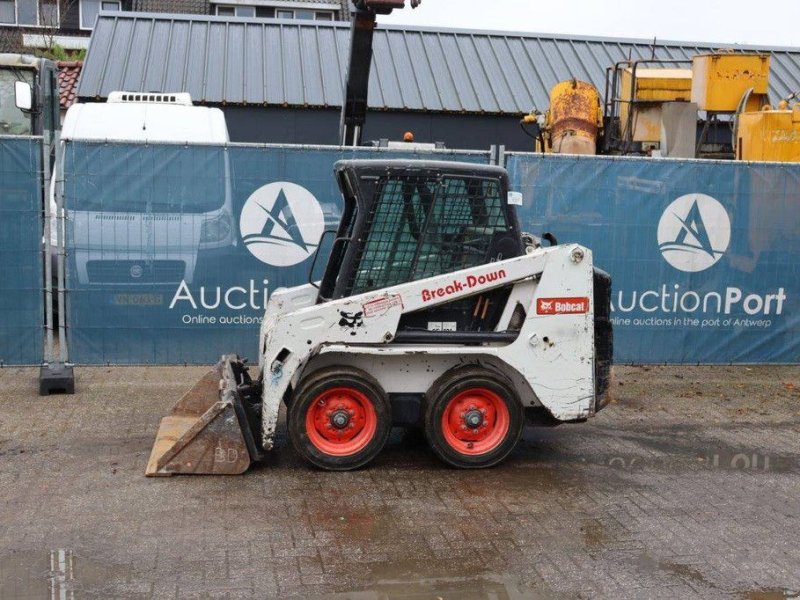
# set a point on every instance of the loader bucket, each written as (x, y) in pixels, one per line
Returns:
(208, 431)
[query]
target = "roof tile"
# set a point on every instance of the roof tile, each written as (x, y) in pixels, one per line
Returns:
(68, 74)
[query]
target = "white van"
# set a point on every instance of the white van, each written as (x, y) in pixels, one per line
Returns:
(118, 241)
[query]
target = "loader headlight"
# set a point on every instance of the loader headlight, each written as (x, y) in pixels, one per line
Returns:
(215, 230)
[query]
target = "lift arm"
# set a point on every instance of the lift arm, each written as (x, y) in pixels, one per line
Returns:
(354, 107)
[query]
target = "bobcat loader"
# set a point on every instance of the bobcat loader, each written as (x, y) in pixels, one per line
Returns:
(434, 310)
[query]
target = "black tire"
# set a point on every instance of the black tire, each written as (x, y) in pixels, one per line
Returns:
(371, 418)
(458, 386)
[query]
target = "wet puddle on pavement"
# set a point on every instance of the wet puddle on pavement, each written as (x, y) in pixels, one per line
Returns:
(771, 595)
(59, 575)
(486, 587)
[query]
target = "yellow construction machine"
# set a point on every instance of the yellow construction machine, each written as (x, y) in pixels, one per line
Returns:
(770, 134)
(572, 123)
(653, 108)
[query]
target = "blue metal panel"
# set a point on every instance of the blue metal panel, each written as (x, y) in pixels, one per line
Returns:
(705, 256)
(21, 312)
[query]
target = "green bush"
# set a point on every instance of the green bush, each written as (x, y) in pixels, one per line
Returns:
(56, 52)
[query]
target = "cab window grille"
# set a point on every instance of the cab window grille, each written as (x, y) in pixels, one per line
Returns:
(425, 226)
(466, 216)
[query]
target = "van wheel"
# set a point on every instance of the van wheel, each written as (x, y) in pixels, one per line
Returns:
(473, 417)
(339, 419)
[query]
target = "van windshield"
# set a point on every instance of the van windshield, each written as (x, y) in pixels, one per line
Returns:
(12, 120)
(145, 178)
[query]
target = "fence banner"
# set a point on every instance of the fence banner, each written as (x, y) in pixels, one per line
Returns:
(704, 255)
(21, 311)
(173, 250)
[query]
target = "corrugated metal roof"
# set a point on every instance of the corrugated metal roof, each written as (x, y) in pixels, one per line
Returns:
(303, 63)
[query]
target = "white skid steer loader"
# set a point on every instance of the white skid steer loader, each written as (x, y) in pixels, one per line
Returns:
(434, 310)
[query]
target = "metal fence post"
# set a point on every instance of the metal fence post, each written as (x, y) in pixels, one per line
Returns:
(48, 183)
(58, 375)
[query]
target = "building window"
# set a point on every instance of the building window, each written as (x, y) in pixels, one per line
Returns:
(90, 8)
(268, 12)
(31, 13)
(49, 14)
(27, 12)
(235, 11)
(319, 15)
(8, 12)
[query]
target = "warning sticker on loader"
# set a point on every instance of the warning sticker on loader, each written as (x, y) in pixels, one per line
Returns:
(562, 306)
(380, 306)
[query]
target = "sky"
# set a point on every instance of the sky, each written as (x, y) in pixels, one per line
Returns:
(774, 23)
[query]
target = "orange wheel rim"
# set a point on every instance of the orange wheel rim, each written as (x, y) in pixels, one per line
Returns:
(475, 421)
(341, 421)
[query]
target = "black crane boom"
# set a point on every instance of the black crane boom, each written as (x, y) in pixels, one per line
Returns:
(354, 107)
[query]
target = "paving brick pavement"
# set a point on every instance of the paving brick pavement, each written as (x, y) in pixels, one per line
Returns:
(688, 485)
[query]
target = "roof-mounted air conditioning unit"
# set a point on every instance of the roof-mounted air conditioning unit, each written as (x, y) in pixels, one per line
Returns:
(182, 98)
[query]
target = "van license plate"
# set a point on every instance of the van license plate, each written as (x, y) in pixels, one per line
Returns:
(138, 299)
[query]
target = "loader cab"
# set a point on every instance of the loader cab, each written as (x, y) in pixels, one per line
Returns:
(409, 220)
